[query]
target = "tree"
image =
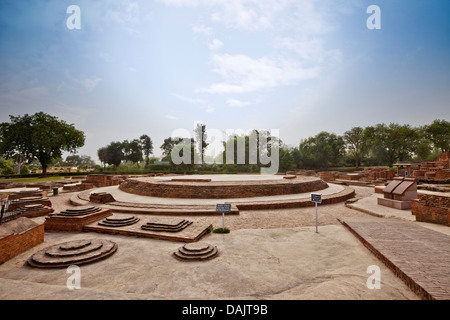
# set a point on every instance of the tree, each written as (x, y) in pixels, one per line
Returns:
(40, 136)
(167, 147)
(439, 134)
(114, 154)
(356, 144)
(132, 151)
(323, 150)
(286, 160)
(102, 154)
(179, 150)
(78, 161)
(147, 147)
(200, 138)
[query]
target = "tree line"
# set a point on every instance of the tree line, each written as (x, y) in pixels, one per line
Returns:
(379, 145)
(43, 138)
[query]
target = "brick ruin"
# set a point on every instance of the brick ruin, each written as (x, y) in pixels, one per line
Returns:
(432, 208)
(101, 197)
(73, 253)
(28, 204)
(167, 226)
(75, 219)
(437, 171)
(104, 180)
(196, 252)
(376, 176)
(193, 189)
(18, 236)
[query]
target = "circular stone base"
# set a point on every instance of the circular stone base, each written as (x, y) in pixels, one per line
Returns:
(221, 186)
(119, 221)
(196, 252)
(73, 253)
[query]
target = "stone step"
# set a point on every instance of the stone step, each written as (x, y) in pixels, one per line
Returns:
(196, 252)
(118, 222)
(82, 211)
(166, 228)
(72, 253)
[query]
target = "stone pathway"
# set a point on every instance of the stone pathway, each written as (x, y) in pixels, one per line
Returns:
(419, 256)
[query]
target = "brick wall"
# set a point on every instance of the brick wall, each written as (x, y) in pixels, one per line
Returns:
(432, 208)
(220, 190)
(16, 243)
(75, 224)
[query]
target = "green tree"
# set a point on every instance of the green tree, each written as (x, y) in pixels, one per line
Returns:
(132, 151)
(147, 147)
(102, 154)
(323, 150)
(438, 133)
(376, 151)
(286, 160)
(167, 147)
(114, 154)
(40, 136)
(179, 150)
(24, 169)
(356, 144)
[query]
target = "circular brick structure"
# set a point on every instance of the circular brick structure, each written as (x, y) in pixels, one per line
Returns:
(73, 253)
(115, 222)
(221, 186)
(196, 252)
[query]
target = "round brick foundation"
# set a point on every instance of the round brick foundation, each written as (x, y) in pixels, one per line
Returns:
(224, 189)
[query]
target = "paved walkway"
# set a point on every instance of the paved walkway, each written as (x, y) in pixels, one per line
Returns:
(418, 255)
(370, 206)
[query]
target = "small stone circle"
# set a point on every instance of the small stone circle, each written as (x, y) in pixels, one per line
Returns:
(117, 221)
(196, 252)
(72, 253)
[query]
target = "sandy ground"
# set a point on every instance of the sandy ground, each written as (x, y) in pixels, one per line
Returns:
(269, 254)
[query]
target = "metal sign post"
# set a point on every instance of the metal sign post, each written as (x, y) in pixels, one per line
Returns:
(224, 208)
(316, 198)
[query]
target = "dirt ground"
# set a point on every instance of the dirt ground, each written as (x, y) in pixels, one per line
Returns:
(269, 254)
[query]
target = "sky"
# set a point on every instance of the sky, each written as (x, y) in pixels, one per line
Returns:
(158, 67)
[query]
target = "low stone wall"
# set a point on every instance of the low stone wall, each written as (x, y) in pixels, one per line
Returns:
(76, 224)
(222, 190)
(432, 208)
(104, 180)
(346, 194)
(18, 236)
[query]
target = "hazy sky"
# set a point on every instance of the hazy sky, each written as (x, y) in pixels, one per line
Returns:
(299, 66)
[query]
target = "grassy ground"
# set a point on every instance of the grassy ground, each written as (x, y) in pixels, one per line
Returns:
(34, 179)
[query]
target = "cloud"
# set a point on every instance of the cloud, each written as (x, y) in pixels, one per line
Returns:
(190, 100)
(244, 74)
(202, 29)
(181, 3)
(215, 45)
(168, 116)
(204, 104)
(126, 13)
(237, 103)
(90, 83)
(296, 34)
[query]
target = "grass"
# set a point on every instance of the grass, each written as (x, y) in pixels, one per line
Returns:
(34, 179)
(221, 230)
